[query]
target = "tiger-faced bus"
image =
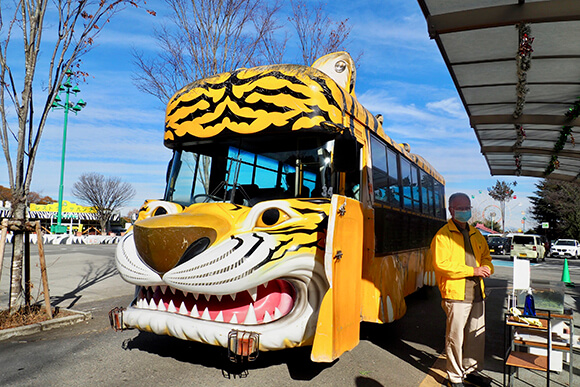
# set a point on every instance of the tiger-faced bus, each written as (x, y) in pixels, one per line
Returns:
(289, 216)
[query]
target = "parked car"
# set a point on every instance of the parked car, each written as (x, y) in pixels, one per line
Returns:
(565, 248)
(528, 246)
(499, 245)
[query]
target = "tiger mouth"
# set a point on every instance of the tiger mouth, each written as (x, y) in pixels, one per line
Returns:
(263, 304)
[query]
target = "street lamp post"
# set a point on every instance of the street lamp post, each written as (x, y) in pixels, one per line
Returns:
(68, 89)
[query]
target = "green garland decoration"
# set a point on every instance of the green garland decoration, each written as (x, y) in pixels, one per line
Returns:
(523, 64)
(565, 132)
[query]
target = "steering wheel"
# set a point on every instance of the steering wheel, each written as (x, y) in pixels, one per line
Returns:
(205, 198)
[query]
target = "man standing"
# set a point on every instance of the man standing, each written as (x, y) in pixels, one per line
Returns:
(461, 259)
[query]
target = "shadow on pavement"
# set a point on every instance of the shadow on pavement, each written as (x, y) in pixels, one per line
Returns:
(418, 339)
(363, 381)
(422, 325)
(92, 276)
(296, 359)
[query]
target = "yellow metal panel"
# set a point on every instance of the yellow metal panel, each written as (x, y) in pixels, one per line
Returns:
(338, 327)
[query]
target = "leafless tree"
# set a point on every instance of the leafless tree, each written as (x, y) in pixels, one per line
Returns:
(105, 194)
(207, 37)
(317, 33)
(70, 34)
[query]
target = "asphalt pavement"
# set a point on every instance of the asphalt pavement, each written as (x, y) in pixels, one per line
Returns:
(404, 353)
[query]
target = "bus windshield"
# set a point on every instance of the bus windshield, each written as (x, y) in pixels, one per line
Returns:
(235, 174)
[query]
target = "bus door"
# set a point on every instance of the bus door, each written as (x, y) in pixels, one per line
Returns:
(338, 326)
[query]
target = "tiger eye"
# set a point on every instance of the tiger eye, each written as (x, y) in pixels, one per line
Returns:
(271, 216)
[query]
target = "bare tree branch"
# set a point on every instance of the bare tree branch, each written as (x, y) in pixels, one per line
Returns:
(207, 37)
(105, 194)
(317, 33)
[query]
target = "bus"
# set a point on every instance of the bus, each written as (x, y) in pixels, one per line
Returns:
(289, 216)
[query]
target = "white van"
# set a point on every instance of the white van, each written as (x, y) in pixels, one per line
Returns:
(527, 246)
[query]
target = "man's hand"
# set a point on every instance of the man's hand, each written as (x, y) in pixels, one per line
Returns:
(482, 271)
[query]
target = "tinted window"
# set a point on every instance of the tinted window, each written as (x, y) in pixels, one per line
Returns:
(393, 187)
(407, 181)
(524, 240)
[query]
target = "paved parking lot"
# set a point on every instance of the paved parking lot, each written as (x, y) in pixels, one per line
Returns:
(404, 353)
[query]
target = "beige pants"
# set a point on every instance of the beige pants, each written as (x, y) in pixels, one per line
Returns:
(464, 338)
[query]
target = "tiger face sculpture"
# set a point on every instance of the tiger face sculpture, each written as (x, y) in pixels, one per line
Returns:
(204, 270)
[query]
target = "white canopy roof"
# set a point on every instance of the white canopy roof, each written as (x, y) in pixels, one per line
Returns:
(517, 92)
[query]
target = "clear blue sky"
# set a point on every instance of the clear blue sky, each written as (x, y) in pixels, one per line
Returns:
(401, 75)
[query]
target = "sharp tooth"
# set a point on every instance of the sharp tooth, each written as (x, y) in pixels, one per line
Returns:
(277, 313)
(251, 316)
(195, 295)
(219, 297)
(185, 294)
(205, 315)
(220, 317)
(171, 307)
(172, 289)
(161, 306)
(163, 288)
(207, 296)
(254, 293)
(183, 309)
(266, 284)
(139, 302)
(152, 305)
(267, 317)
(194, 312)
(233, 296)
(234, 319)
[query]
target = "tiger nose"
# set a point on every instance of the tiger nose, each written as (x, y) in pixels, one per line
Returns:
(165, 241)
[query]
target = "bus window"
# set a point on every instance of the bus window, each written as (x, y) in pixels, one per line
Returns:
(439, 206)
(380, 175)
(415, 188)
(407, 182)
(427, 194)
(243, 177)
(393, 187)
(183, 175)
(385, 173)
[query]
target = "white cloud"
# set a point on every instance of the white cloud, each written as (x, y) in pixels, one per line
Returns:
(451, 106)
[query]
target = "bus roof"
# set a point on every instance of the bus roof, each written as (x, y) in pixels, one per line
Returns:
(271, 100)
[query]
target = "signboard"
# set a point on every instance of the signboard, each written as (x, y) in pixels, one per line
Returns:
(545, 225)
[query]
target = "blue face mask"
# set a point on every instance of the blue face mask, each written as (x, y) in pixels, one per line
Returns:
(462, 216)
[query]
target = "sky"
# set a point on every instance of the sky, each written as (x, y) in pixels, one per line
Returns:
(400, 75)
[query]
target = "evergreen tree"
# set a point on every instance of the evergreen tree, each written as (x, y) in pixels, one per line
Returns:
(556, 202)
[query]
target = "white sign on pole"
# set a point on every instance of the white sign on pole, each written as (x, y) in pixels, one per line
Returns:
(521, 274)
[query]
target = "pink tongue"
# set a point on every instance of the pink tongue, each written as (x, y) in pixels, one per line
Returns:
(279, 294)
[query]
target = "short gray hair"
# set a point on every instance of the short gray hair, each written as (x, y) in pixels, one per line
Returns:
(457, 195)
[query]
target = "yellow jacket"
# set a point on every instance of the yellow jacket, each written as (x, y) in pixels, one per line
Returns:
(448, 252)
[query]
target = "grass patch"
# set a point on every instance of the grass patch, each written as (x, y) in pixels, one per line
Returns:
(28, 315)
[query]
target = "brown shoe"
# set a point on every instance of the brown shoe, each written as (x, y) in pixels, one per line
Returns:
(451, 384)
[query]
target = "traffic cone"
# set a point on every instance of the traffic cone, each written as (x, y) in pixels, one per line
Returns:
(566, 274)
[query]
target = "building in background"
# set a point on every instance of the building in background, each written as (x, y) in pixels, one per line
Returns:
(78, 219)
